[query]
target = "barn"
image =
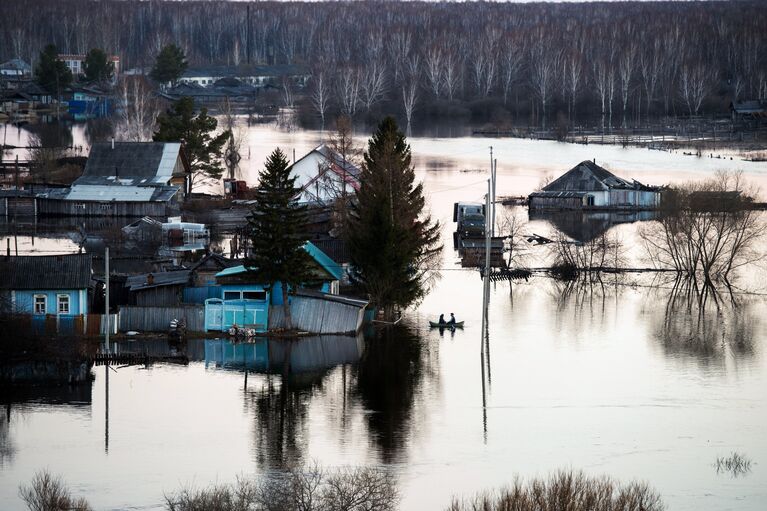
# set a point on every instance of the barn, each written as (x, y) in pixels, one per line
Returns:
(589, 186)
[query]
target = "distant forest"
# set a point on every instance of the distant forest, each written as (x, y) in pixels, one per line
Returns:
(618, 63)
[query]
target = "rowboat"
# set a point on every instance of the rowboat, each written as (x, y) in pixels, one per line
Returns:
(437, 324)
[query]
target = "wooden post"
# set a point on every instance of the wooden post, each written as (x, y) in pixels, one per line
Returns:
(106, 305)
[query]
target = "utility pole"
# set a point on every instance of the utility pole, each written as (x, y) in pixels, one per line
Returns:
(492, 200)
(106, 306)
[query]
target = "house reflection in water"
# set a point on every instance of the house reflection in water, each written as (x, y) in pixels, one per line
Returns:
(304, 355)
(585, 226)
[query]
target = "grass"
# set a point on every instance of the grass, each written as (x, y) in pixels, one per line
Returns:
(736, 464)
(564, 490)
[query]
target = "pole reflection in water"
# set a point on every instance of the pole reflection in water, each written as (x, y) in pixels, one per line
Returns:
(106, 407)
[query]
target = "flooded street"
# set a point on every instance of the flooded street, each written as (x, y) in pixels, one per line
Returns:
(620, 377)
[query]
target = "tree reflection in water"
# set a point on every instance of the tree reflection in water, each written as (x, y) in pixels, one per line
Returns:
(389, 377)
(383, 382)
(706, 322)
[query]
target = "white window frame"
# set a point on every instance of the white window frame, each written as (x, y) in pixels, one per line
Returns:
(60, 302)
(45, 304)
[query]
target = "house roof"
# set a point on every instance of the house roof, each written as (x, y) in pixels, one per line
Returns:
(749, 107)
(587, 176)
(16, 65)
(334, 270)
(130, 163)
(159, 279)
(332, 267)
(121, 193)
(214, 261)
(244, 71)
(46, 272)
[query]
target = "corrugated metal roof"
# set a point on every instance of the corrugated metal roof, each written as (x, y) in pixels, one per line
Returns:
(121, 193)
(46, 272)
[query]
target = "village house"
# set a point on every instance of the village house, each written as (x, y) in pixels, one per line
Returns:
(55, 286)
(245, 301)
(76, 64)
(258, 76)
(15, 68)
(125, 179)
(160, 289)
(323, 176)
(750, 109)
(589, 186)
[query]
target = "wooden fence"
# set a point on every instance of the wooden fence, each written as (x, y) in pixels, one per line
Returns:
(319, 313)
(157, 319)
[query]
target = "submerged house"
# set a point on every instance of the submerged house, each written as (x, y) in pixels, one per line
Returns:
(42, 286)
(245, 301)
(323, 175)
(589, 186)
(125, 179)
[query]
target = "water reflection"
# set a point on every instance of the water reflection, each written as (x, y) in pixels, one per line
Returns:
(585, 226)
(390, 375)
(706, 323)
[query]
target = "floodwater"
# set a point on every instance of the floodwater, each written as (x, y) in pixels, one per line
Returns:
(620, 377)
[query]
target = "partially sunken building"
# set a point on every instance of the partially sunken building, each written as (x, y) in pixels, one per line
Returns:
(589, 186)
(125, 179)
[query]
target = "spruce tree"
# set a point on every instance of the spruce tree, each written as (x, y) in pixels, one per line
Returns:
(52, 74)
(276, 226)
(391, 239)
(170, 64)
(98, 68)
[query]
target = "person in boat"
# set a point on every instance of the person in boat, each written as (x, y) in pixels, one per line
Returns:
(441, 319)
(452, 319)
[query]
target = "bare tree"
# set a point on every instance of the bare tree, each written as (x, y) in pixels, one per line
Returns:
(320, 95)
(434, 68)
(410, 89)
(626, 73)
(544, 64)
(513, 55)
(373, 84)
(348, 88)
(693, 85)
(138, 110)
(707, 229)
(452, 73)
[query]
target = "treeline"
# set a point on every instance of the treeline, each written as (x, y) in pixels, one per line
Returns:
(614, 63)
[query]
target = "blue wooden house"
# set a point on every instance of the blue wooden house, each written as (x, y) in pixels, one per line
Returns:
(45, 286)
(245, 302)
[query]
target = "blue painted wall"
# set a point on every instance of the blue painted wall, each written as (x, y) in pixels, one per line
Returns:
(25, 301)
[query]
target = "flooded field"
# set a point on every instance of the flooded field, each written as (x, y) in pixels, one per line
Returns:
(620, 376)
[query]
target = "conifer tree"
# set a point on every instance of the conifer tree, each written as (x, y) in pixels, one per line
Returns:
(98, 67)
(52, 74)
(391, 239)
(170, 65)
(276, 224)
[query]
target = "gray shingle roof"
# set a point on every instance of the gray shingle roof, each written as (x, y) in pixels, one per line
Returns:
(130, 163)
(587, 176)
(46, 272)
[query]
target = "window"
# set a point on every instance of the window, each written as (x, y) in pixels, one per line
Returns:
(63, 304)
(40, 304)
(590, 200)
(232, 295)
(254, 295)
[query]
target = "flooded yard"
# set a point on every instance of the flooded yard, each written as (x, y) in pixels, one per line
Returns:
(620, 376)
